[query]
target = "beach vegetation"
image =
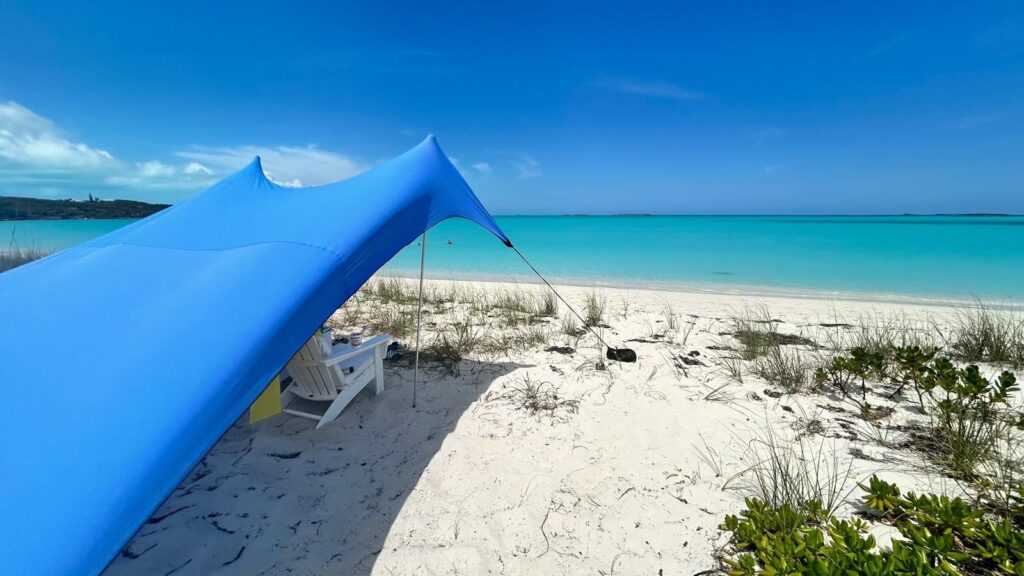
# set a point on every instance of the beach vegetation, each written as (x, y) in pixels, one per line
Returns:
(392, 319)
(569, 327)
(539, 397)
(794, 472)
(15, 256)
(710, 456)
(595, 305)
(758, 333)
(626, 305)
(860, 366)
(879, 333)
(512, 300)
(547, 304)
(785, 369)
(505, 342)
(970, 417)
(392, 290)
(672, 320)
(682, 336)
(940, 535)
(453, 344)
(911, 366)
(731, 366)
(981, 334)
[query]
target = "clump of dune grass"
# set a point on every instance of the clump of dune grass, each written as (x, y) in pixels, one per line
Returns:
(786, 369)
(453, 344)
(758, 333)
(350, 315)
(547, 304)
(442, 293)
(981, 334)
(884, 333)
(513, 341)
(15, 256)
(709, 456)
(392, 290)
(540, 398)
(511, 318)
(626, 305)
(672, 320)
(570, 327)
(595, 305)
(754, 329)
(728, 361)
(395, 320)
(514, 299)
(786, 471)
(731, 366)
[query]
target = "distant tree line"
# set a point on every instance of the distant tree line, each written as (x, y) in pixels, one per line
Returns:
(20, 208)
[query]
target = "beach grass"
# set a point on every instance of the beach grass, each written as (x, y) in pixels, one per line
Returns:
(983, 334)
(784, 368)
(794, 472)
(14, 256)
(595, 306)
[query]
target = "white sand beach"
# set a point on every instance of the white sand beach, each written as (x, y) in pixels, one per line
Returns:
(631, 474)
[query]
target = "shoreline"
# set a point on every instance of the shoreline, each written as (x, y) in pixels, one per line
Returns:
(724, 290)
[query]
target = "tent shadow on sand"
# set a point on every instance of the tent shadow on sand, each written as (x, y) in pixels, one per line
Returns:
(281, 497)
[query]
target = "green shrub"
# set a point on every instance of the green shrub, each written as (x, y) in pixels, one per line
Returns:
(911, 367)
(969, 420)
(841, 371)
(940, 535)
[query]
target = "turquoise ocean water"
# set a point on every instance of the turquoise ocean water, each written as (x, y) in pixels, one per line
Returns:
(942, 257)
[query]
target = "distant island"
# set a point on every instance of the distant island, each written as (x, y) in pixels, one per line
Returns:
(20, 208)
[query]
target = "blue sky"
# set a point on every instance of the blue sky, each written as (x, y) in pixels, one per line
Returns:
(674, 107)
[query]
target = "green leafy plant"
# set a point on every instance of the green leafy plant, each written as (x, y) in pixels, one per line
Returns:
(940, 536)
(971, 416)
(911, 366)
(841, 371)
(881, 496)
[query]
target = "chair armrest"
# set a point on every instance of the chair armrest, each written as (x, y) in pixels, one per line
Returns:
(347, 352)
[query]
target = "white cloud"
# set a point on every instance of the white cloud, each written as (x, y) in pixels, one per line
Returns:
(30, 140)
(527, 167)
(482, 167)
(652, 89)
(156, 175)
(286, 165)
(197, 168)
(37, 158)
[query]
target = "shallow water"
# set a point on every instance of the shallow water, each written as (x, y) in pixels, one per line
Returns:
(925, 256)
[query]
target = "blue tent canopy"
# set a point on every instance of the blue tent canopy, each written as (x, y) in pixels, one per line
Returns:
(124, 359)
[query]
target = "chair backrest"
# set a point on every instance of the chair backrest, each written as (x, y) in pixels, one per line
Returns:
(314, 381)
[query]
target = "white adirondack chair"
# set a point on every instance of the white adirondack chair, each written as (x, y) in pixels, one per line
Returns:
(323, 373)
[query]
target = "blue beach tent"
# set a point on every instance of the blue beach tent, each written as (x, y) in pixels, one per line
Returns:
(124, 359)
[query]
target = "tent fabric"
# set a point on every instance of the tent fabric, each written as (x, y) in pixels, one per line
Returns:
(124, 359)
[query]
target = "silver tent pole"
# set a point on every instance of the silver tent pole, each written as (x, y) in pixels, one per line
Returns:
(419, 317)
